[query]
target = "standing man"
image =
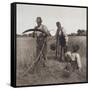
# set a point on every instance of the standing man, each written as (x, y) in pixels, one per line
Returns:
(61, 41)
(41, 39)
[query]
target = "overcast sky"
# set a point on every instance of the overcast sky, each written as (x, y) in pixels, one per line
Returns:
(71, 19)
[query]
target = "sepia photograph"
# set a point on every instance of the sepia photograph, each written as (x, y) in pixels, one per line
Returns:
(51, 44)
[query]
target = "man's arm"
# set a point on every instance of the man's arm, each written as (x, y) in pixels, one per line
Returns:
(45, 29)
(79, 61)
(66, 36)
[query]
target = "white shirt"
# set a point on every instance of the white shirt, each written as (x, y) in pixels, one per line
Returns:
(76, 56)
(44, 28)
(73, 57)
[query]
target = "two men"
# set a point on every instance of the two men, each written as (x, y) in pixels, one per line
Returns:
(61, 39)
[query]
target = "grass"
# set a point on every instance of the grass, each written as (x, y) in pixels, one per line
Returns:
(53, 73)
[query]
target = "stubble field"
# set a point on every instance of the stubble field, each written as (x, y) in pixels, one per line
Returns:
(53, 72)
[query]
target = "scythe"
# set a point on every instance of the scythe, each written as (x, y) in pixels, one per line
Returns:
(37, 58)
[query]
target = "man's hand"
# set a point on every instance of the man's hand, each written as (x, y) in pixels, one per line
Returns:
(34, 34)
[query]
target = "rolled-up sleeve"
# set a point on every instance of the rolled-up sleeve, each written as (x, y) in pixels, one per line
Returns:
(65, 34)
(79, 61)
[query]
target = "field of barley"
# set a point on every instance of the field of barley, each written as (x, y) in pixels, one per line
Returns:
(53, 72)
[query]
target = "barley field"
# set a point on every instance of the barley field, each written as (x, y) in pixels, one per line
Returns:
(53, 73)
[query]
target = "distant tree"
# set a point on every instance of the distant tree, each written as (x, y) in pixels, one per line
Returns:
(81, 32)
